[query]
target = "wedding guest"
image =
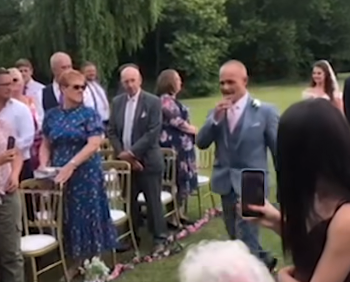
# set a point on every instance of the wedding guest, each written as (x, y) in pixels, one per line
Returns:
(72, 136)
(313, 180)
(102, 105)
(51, 96)
(178, 133)
(31, 86)
(19, 117)
(17, 93)
(222, 261)
(11, 262)
(324, 85)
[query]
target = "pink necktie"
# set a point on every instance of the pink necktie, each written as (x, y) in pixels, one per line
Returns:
(231, 118)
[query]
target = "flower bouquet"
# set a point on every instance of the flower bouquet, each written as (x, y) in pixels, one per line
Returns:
(95, 270)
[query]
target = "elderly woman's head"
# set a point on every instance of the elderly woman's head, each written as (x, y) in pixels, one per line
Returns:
(17, 86)
(222, 261)
(72, 84)
(168, 82)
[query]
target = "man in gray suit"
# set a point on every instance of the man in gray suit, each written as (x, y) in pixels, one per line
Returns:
(242, 129)
(134, 132)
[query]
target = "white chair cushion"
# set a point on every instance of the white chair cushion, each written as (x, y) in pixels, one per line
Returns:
(117, 215)
(36, 242)
(203, 180)
(165, 197)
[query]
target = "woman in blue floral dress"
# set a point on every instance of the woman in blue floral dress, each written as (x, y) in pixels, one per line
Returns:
(179, 134)
(72, 136)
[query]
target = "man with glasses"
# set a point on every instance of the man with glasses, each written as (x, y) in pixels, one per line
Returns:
(16, 121)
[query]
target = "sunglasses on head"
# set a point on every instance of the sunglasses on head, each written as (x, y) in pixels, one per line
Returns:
(78, 87)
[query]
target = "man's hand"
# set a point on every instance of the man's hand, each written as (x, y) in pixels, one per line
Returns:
(136, 165)
(7, 156)
(221, 107)
(126, 156)
(12, 184)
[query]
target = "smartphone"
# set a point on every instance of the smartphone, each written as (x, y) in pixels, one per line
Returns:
(11, 142)
(253, 191)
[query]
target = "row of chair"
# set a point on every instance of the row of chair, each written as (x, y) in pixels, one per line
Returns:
(47, 206)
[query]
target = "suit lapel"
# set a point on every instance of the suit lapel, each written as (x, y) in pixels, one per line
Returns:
(121, 116)
(138, 111)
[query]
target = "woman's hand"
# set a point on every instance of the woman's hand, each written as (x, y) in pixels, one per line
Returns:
(7, 156)
(286, 274)
(271, 217)
(65, 173)
(12, 184)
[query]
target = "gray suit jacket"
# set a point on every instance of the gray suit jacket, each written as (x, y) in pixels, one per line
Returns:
(146, 130)
(245, 148)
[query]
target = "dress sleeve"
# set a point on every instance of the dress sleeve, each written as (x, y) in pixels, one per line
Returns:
(94, 126)
(171, 112)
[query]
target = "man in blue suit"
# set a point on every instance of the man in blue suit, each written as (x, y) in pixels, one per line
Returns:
(242, 128)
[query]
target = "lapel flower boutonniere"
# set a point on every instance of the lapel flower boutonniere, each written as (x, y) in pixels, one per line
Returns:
(256, 103)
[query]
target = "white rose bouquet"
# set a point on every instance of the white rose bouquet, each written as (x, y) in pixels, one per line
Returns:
(95, 270)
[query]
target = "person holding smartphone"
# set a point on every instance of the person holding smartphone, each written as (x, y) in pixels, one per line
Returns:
(11, 262)
(243, 130)
(313, 180)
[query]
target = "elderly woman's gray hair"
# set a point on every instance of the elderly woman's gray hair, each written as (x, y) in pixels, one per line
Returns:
(222, 261)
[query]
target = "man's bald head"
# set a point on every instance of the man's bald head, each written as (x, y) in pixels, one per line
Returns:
(233, 79)
(60, 62)
(131, 80)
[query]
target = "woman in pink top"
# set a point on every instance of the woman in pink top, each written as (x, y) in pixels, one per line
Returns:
(11, 262)
(17, 93)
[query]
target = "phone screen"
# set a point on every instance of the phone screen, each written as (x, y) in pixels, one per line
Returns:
(253, 191)
(11, 142)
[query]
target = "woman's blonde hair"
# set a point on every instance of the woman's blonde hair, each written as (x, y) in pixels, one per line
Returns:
(68, 75)
(15, 71)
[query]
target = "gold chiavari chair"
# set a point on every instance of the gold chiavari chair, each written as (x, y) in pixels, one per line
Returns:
(169, 191)
(117, 176)
(107, 154)
(46, 206)
(204, 162)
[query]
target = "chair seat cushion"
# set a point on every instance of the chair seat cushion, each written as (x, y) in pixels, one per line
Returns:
(37, 242)
(118, 215)
(165, 197)
(203, 180)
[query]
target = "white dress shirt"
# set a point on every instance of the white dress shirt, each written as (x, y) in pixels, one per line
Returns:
(102, 105)
(88, 101)
(20, 118)
(32, 88)
(129, 116)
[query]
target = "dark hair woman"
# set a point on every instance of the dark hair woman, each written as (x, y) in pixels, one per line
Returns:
(179, 134)
(313, 179)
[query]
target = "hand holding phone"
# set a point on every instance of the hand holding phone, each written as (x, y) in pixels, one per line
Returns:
(253, 191)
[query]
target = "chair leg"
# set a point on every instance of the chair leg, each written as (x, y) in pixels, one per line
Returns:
(177, 212)
(114, 257)
(34, 269)
(64, 263)
(133, 239)
(212, 198)
(199, 198)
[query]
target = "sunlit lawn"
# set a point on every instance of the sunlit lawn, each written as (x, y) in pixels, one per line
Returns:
(166, 270)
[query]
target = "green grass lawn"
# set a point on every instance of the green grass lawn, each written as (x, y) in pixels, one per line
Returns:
(166, 270)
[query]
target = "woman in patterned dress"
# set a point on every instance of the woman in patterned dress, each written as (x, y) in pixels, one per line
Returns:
(179, 134)
(324, 85)
(18, 94)
(71, 138)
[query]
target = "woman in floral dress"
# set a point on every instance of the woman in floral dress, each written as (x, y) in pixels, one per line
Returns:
(72, 136)
(178, 134)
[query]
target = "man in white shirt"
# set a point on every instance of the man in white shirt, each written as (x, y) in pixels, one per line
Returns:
(51, 97)
(99, 94)
(32, 87)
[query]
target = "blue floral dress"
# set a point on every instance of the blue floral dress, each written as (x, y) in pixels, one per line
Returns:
(174, 115)
(87, 227)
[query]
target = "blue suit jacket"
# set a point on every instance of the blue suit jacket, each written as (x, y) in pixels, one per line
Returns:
(245, 148)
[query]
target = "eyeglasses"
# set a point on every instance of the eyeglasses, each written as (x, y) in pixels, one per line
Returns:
(79, 87)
